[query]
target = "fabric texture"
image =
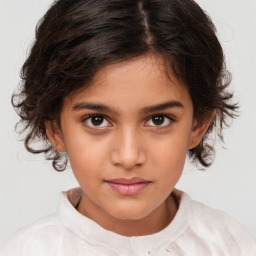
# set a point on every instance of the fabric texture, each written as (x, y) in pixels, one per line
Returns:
(196, 230)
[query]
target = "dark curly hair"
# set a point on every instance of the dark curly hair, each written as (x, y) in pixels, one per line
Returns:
(76, 38)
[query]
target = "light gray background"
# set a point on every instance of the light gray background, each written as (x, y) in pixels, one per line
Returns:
(29, 188)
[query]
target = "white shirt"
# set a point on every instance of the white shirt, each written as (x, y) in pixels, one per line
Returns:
(195, 230)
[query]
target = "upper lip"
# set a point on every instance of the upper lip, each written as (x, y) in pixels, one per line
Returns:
(128, 181)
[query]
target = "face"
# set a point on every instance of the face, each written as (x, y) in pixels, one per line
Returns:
(127, 137)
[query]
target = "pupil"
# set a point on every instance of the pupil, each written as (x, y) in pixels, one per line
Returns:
(97, 120)
(158, 120)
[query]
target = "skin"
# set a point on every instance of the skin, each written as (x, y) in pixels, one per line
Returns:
(127, 142)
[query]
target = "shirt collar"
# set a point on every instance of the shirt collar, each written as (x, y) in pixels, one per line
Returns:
(93, 233)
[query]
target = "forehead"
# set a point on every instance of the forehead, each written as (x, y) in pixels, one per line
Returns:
(139, 81)
(134, 70)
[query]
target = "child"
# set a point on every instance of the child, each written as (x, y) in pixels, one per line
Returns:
(124, 90)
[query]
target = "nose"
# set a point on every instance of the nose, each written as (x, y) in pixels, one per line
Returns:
(128, 150)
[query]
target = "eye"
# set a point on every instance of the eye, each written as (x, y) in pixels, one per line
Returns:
(160, 121)
(96, 121)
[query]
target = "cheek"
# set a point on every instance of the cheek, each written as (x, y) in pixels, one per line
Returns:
(87, 159)
(169, 155)
(85, 153)
(172, 150)
(171, 163)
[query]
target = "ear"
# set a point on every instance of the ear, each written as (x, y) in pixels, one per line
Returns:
(199, 129)
(55, 136)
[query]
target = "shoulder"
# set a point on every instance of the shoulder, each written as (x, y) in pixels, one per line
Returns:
(216, 228)
(42, 232)
(50, 235)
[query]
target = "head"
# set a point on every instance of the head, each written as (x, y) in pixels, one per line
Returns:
(76, 40)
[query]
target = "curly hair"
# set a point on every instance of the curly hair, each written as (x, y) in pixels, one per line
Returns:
(76, 38)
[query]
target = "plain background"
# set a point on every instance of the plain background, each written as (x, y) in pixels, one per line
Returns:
(29, 187)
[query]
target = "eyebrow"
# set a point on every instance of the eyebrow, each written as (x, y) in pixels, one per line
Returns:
(145, 110)
(161, 106)
(93, 106)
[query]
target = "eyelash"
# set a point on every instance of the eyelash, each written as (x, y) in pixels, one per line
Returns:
(170, 118)
(95, 115)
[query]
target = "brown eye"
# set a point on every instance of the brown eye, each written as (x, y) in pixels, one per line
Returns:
(160, 121)
(95, 121)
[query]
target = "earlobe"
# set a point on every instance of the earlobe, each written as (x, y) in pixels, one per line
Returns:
(55, 136)
(199, 129)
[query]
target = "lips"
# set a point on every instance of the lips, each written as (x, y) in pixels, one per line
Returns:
(128, 187)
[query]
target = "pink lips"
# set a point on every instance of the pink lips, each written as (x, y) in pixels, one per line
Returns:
(128, 187)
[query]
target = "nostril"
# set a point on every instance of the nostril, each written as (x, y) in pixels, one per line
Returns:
(128, 161)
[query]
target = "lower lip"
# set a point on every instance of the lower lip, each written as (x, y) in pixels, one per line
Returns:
(128, 189)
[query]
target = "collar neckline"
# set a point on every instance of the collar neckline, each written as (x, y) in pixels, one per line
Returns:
(89, 230)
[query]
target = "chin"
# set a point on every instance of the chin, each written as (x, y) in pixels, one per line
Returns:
(129, 214)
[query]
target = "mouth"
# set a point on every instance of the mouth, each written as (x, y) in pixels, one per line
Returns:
(128, 187)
